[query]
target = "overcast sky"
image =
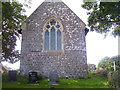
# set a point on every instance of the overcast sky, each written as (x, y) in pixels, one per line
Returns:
(97, 46)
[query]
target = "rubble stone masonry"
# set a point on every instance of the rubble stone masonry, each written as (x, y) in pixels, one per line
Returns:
(70, 62)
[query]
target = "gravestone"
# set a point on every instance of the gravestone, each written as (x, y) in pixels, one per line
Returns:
(12, 75)
(33, 78)
(53, 78)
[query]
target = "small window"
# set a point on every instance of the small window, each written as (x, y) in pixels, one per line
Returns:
(53, 35)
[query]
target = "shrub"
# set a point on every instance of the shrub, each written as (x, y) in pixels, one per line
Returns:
(102, 72)
(40, 77)
(5, 76)
(22, 79)
(114, 79)
(103, 63)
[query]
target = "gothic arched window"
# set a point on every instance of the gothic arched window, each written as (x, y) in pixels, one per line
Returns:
(53, 35)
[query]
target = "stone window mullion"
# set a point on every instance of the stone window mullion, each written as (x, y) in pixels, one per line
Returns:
(55, 35)
(49, 40)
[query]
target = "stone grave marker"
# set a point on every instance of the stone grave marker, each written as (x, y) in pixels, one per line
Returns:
(12, 75)
(33, 78)
(53, 78)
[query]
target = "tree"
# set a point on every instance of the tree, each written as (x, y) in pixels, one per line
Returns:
(103, 16)
(103, 63)
(12, 18)
(114, 60)
(0, 46)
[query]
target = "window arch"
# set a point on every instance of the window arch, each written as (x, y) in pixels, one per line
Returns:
(53, 35)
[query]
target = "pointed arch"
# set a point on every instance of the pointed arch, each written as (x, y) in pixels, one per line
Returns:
(53, 31)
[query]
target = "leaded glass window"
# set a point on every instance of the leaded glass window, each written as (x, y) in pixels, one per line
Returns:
(53, 35)
(46, 44)
(52, 39)
(59, 40)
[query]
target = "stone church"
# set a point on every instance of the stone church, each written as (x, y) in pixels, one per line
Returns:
(53, 40)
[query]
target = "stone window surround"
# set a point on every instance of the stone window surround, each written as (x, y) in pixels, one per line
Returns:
(61, 29)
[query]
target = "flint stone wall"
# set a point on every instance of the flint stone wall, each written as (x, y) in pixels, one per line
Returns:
(72, 61)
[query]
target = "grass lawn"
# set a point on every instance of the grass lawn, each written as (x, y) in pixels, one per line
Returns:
(94, 82)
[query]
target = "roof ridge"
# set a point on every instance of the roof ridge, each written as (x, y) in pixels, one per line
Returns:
(53, 0)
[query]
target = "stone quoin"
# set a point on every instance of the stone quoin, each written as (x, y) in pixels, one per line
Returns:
(53, 40)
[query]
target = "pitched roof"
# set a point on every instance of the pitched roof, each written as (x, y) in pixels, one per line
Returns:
(53, 0)
(54, 4)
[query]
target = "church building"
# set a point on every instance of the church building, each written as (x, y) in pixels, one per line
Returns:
(53, 40)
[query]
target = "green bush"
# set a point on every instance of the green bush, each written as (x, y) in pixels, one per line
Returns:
(114, 79)
(114, 74)
(103, 63)
(22, 79)
(40, 77)
(5, 76)
(102, 72)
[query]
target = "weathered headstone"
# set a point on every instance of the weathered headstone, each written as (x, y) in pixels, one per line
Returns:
(53, 78)
(12, 76)
(33, 78)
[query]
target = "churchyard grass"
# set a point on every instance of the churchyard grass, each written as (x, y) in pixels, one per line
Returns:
(95, 81)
